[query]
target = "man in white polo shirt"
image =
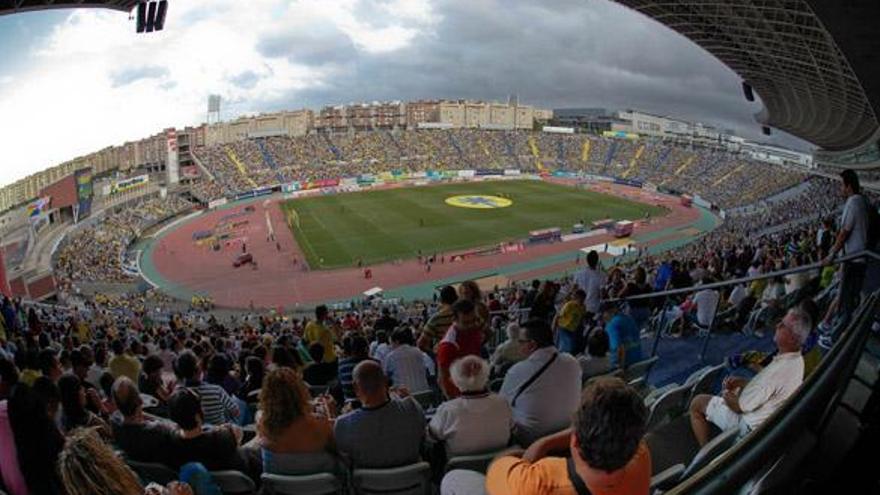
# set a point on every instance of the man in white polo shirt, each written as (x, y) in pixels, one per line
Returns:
(405, 364)
(745, 404)
(543, 390)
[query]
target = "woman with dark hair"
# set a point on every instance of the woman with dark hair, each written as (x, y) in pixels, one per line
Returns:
(471, 291)
(37, 438)
(73, 407)
(255, 370)
(34, 322)
(218, 374)
(283, 357)
(151, 382)
(544, 305)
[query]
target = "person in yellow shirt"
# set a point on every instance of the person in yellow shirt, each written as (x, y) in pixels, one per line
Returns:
(123, 363)
(83, 332)
(568, 323)
(317, 332)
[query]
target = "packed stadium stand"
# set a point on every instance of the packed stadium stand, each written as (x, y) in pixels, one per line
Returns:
(744, 361)
(726, 179)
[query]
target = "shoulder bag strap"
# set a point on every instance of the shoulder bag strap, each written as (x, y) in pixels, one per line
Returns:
(522, 388)
(579, 486)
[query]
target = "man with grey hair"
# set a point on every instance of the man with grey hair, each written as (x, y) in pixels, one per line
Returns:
(745, 404)
(477, 421)
(508, 352)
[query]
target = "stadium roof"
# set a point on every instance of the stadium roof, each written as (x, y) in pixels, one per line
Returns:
(15, 6)
(814, 63)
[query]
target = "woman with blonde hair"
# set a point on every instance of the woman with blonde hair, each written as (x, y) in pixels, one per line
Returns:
(87, 466)
(289, 424)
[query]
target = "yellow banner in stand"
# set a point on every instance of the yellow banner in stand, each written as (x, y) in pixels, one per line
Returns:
(478, 201)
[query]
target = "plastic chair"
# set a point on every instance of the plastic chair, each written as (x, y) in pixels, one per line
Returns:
(414, 479)
(234, 482)
(152, 472)
(477, 462)
(705, 384)
(667, 406)
(300, 464)
(679, 472)
(427, 399)
(638, 370)
(310, 484)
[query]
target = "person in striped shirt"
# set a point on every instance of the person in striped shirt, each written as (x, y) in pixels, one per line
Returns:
(217, 406)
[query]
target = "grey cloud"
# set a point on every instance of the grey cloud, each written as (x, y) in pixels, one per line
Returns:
(321, 45)
(245, 80)
(128, 76)
(558, 54)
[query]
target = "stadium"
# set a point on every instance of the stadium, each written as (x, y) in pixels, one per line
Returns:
(456, 296)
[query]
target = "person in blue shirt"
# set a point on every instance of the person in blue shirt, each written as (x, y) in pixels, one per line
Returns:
(664, 273)
(623, 337)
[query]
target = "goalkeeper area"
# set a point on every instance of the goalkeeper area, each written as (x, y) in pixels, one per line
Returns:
(371, 227)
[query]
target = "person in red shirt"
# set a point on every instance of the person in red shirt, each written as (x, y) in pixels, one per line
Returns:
(462, 339)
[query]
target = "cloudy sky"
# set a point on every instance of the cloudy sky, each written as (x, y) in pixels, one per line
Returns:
(75, 81)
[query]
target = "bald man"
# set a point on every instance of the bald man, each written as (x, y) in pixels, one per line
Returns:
(385, 431)
(142, 440)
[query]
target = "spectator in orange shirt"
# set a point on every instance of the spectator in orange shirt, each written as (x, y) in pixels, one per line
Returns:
(608, 453)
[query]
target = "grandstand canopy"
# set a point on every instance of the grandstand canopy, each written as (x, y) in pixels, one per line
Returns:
(814, 63)
(14, 6)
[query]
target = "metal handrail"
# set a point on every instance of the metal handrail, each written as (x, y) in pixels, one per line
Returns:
(741, 280)
(767, 443)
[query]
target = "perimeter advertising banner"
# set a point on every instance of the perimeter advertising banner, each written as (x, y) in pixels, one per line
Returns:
(84, 193)
(4, 284)
(172, 160)
(628, 182)
(125, 185)
(701, 202)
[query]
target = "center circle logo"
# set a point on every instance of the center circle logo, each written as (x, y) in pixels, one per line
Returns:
(478, 201)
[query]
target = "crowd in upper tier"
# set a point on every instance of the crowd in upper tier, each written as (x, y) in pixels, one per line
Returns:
(96, 253)
(85, 389)
(724, 178)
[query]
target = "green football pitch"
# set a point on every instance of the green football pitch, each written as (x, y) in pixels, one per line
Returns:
(374, 226)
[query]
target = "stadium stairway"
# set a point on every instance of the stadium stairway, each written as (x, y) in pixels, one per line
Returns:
(560, 153)
(536, 153)
(687, 163)
(270, 161)
(240, 166)
(661, 159)
(634, 162)
(396, 143)
(332, 147)
(612, 150)
(511, 150)
(585, 151)
(728, 174)
(490, 157)
(455, 144)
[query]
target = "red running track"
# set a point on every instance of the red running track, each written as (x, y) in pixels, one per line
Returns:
(277, 281)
